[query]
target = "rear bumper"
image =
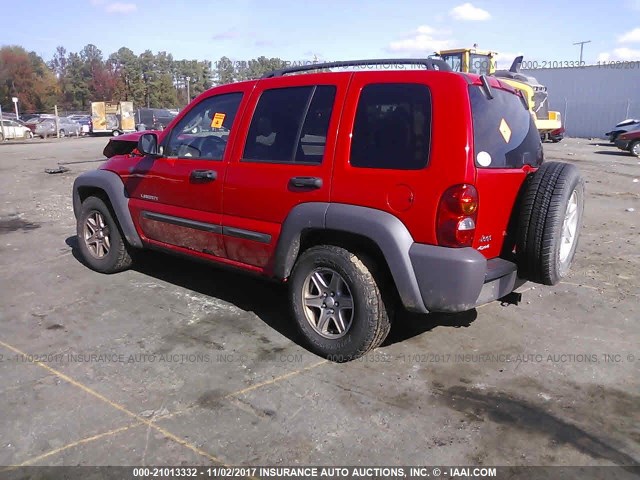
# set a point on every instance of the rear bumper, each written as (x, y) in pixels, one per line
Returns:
(460, 279)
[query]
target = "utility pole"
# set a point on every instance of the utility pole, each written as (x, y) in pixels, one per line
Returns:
(581, 48)
(15, 104)
(188, 92)
(55, 110)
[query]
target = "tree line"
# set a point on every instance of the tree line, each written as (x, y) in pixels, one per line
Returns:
(72, 80)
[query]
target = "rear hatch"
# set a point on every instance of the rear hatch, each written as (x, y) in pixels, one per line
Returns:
(506, 147)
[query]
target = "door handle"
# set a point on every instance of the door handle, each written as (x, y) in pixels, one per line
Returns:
(204, 175)
(307, 183)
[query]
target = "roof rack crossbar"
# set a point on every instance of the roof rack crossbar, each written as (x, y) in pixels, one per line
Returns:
(429, 63)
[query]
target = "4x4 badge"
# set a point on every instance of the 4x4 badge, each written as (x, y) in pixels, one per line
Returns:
(505, 130)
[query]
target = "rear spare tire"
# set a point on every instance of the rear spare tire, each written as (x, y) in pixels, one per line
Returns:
(550, 222)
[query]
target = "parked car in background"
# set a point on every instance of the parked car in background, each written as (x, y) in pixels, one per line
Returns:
(28, 116)
(12, 129)
(47, 127)
(84, 121)
(630, 142)
(34, 119)
(628, 125)
(153, 118)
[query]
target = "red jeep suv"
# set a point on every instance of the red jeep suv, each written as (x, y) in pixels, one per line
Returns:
(359, 187)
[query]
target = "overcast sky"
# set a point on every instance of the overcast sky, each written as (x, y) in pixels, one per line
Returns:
(331, 29)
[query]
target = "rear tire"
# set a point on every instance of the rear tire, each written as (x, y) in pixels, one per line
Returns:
(101, 243)
(635, 148)
(550, 222)
(337, 303)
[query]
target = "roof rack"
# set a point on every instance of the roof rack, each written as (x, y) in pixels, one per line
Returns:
(429, 63)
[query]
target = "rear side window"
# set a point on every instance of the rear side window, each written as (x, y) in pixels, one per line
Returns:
(392, 128)
(290, 125)
(505, 133)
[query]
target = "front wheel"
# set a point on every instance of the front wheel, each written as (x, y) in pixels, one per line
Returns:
(337, 303)
(635, 148)
(102, 245)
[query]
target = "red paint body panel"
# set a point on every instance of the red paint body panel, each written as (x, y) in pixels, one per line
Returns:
(450, 159)
(163, 186)
(497, 192)
(256, 196)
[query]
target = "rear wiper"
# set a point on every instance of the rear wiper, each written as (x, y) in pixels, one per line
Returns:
(486, 87)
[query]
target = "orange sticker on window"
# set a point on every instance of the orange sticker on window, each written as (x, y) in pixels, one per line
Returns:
(505, 130)
(217, 120)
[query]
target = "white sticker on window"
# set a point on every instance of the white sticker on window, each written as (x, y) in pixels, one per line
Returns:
(484, 159)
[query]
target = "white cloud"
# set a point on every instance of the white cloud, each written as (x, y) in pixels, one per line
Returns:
(625, 53)
(619, 54)
(505, 59)
(632, 36)
(467, 11)
(121, 7)
(424, 41)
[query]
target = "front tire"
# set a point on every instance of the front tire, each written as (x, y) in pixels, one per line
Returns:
(635, 148)
(337, 303)
(102, 245)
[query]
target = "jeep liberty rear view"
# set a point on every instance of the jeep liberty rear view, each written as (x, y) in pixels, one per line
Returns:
(362, 189)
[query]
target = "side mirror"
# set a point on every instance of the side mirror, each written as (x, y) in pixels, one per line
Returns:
(148, 144)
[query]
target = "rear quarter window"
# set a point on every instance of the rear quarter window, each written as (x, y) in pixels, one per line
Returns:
(392, 128)
(504, 131)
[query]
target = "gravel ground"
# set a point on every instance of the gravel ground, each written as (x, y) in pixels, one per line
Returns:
(175, 362)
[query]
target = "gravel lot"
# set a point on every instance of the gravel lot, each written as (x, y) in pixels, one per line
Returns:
(177, 362)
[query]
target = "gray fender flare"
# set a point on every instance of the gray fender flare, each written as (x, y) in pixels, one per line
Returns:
(386, 230)
(301, 217)
(112, 185)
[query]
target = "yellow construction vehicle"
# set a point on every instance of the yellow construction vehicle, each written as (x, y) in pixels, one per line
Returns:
(482, 62)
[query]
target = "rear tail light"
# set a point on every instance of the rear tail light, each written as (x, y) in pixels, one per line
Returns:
(457, 214)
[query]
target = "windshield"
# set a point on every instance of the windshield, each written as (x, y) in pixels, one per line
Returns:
(454, 60)
(479, 64)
